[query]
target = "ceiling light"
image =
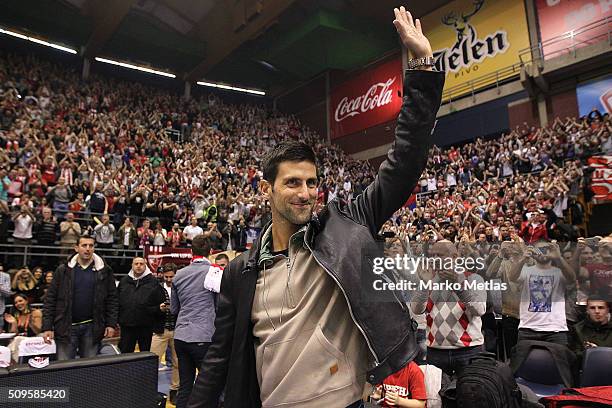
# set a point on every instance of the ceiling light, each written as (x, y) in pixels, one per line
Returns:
(136, 67)
(37, 41)
(231, 88)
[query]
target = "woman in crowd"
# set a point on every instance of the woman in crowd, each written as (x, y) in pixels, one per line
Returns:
(23, 321)
(25, 283)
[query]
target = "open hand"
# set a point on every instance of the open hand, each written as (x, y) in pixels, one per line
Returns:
(411, 33)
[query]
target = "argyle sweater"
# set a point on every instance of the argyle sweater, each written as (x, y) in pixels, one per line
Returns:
(453, 316)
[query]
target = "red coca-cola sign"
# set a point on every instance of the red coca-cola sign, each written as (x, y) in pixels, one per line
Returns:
(370, 98)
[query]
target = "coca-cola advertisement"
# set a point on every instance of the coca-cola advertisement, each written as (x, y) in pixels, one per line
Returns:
(368, 99)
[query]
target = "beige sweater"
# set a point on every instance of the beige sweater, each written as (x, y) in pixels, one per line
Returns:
(309, 352)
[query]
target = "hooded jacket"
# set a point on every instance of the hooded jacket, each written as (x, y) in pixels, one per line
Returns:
(587, 330)
(336, 238)
(57, 310)
(139, 300)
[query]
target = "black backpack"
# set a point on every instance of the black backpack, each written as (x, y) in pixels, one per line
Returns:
(484, 383)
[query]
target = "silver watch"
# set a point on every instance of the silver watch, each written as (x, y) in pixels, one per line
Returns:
(421, 62)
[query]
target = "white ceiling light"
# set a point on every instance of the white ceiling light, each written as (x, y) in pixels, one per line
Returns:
(37, 41)
(136, 67)
(231, 88)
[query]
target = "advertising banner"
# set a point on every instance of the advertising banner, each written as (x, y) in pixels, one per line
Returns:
(601, 183)
(157, 256)
(595, 94)
(473, 38)
(367, 99)
(577, 20)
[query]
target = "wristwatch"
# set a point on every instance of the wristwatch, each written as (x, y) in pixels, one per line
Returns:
(421, 62)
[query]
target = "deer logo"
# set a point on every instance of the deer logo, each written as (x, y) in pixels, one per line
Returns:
(469, 48)
(461, 24)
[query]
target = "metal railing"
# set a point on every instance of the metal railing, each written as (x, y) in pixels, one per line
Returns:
(27, 253)
(569, 42)
(488, 81)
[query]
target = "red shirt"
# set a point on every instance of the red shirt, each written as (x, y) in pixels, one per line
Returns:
(600, 276)
(409, 383)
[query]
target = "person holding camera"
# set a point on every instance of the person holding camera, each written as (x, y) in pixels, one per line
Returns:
(543, 275)
(163, 332)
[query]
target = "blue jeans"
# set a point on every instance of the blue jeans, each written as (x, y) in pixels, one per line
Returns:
(356, 404)
(452, 360)
(81, 343)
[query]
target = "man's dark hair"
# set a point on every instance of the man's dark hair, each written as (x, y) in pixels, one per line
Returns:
(200, 246)
(170, 267)
(599, 297)
(85, 236)
(290, 150)
(221, 256)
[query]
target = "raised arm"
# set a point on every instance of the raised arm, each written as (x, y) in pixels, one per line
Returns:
(407, 157)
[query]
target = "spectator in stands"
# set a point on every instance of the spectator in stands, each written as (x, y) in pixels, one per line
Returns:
(145, 234)
(97, 201)
(159, 234)
(239, 235)
(128, 236)
(174, 238)
(163, 334)
(46, 234)
(192, 230)
(5, 218)
(453, 315)
(23, 321)
(195, 311)
(141, 307)
(46, 228)
(70, 231)
(215, 236)
(543, 282)
(25, 283)
(509, 254)
(404, 388)
(595, 330)
(81, 304)
(5, 288)
(61, 195)
(22, 234)
(534, 229)
(222, 260)
(46, 282)
(105, 233)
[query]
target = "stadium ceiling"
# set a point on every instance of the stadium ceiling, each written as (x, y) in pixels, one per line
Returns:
(265, 44)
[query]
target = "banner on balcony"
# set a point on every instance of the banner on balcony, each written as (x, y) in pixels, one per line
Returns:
(565, 24)
(473, 38)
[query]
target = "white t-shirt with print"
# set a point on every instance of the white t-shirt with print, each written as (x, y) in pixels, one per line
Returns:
(542, 305)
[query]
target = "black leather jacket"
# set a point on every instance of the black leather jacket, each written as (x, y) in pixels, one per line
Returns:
(334, 237)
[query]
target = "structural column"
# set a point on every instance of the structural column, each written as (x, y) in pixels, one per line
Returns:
(86, 68)
(187, 92)
(327, 107)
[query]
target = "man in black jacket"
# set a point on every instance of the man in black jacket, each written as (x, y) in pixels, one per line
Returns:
(292, 327)
(141, 307)
(81, 304)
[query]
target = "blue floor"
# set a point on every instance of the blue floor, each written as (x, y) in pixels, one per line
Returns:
(163, 381)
